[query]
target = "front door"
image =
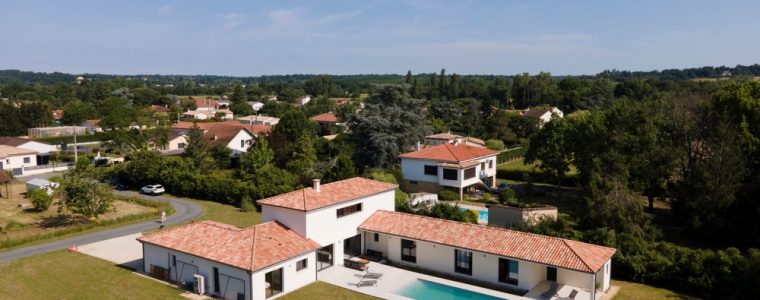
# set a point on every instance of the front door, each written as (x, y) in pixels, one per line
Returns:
(324, 257)
(352, 246)
(551, 274)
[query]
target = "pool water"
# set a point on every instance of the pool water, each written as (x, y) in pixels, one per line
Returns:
(482, 215)
(423, 289)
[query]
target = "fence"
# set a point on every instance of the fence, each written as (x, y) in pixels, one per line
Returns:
(510, 155)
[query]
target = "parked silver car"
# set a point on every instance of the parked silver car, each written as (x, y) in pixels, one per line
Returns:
(155, 189)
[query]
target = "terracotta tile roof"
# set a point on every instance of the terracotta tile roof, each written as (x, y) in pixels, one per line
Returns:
(57, 114)
(251, 248)
(450, 153)
(536, 113)
(536, 248)
(255, 129)
(443, 136)
(158, 108)
(330, 194)
(92, 122)
(12, 141)
(325, 118)
(222, 134)
(6, 151)
(206, 103)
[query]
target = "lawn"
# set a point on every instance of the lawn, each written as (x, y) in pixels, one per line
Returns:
(631, 290)
(321, 290)
(64, 275)
(226, 213)
(519, 165)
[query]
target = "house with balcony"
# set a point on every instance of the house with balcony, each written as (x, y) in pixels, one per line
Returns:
(449, 138)
(317, 232)
(457, 166)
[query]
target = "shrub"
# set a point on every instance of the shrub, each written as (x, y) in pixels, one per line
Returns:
(534, 176)
(506, 195)
(487, 197)
(40, 199)
(246, 205)
(494, 144)
(447, 195)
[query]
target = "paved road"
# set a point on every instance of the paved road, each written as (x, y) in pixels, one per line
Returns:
(183, 211)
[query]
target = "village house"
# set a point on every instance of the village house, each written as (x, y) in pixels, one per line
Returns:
(92, 126)
(448, 138)
(309, 232)
(43, 151)
(544, 115)
(238, 137)
(16, 159)
(259, 120)
(458, 166)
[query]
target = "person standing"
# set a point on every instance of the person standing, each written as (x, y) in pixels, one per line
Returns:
(163, 218)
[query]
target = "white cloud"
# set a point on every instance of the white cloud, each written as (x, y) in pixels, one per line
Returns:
(232, 20)
(339, 16)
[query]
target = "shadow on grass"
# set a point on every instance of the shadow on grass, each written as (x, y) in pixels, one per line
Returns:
(61, 221)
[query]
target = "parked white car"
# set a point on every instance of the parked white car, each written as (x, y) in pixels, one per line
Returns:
(155, 189)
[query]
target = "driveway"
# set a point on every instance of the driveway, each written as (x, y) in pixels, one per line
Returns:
(125, 251)
(184, 211)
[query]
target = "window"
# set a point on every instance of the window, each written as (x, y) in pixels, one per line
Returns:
(431, 170)
(274, 283)
(344, 211)
(469, 173)
(181, 145)
(463, 261)
(377, 237)
(508, 271)
(450, 174)
(26, 160)
(408, 251)
(482, 166)
(490, 163)
(242, 143)
(302, 264)
(216, 280)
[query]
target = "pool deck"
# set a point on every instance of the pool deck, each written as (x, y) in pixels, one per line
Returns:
(393, 280)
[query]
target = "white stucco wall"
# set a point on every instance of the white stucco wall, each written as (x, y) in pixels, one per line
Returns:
(234, 144)
(240, 279)
(324, 227)
(293, 219)
(414, 169)
(174, 143)
(381, 245)
(17, 161)
(292, 279)
(575, 278)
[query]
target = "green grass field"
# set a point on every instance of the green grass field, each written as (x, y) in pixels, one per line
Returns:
(64, 275)
(227, 213)
(637, 291)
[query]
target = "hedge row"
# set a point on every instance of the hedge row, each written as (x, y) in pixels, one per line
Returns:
(535, 176)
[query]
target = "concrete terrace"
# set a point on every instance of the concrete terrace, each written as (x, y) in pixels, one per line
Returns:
(393, 280)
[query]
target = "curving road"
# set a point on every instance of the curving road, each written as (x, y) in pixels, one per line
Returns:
(184, 211)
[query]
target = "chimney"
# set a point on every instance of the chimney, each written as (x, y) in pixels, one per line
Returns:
(418, 146)
(316, 185)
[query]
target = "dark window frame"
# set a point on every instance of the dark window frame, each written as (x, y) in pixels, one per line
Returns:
(27, 160)
(411, 247)
(302, 264)
(447, 174)
(216, 280)
(431, 170)
(376, 237)
(463, 261)
(490, 163)
(470, 173)
(504, 271)
(348, 210)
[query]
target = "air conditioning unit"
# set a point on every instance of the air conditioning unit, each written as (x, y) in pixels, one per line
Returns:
(200, 284)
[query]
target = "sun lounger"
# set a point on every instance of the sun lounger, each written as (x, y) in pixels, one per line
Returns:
(551, 292)
(573, 294)
(367, 283)
(373, 275)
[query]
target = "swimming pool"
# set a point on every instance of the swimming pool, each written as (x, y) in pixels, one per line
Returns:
(423, 289)
(482, 214)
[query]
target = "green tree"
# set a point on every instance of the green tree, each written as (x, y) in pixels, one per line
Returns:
(409, 77)
(40, 199)
(238, 95)
(76, 112)
(257, 156)
(549, 147)
(222, 155)
(144, 96)
(197, 148)
(302, 158)
(117, 114)
(85, 197)
(343, 169)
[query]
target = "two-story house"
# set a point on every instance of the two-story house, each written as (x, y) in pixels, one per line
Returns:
(457, 166)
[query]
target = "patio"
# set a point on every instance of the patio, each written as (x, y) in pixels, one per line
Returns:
(563, 292)
(393, 279)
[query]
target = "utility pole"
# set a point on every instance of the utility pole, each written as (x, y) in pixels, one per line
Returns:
(76, 152)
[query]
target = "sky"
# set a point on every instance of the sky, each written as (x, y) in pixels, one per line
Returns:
(254, 37)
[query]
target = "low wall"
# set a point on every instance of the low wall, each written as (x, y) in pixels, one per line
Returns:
(504, 216)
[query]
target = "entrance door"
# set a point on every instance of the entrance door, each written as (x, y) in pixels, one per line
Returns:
(352, 246)
(551, 274)
(324, 257)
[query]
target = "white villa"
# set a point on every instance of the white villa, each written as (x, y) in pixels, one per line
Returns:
(16, 159)
(322, 230)
(259, 120)
(235, 136)
(43, 150)
(225, 114)
(544, 115)
(448, 138)
(458, 166)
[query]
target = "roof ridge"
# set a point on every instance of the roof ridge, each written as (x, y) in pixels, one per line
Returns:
(578, 255)
(448, 147)
(253, 246)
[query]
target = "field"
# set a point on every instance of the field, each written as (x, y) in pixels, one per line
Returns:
(226, 213)
(64, 275)
(636, 291)
(21, 223)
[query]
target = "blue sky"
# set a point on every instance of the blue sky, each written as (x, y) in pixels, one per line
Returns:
(253, 37)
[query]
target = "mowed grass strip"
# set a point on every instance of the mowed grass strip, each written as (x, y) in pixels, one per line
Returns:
(636, 291)
(321, 290)
(65, 275)
(225, 213)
